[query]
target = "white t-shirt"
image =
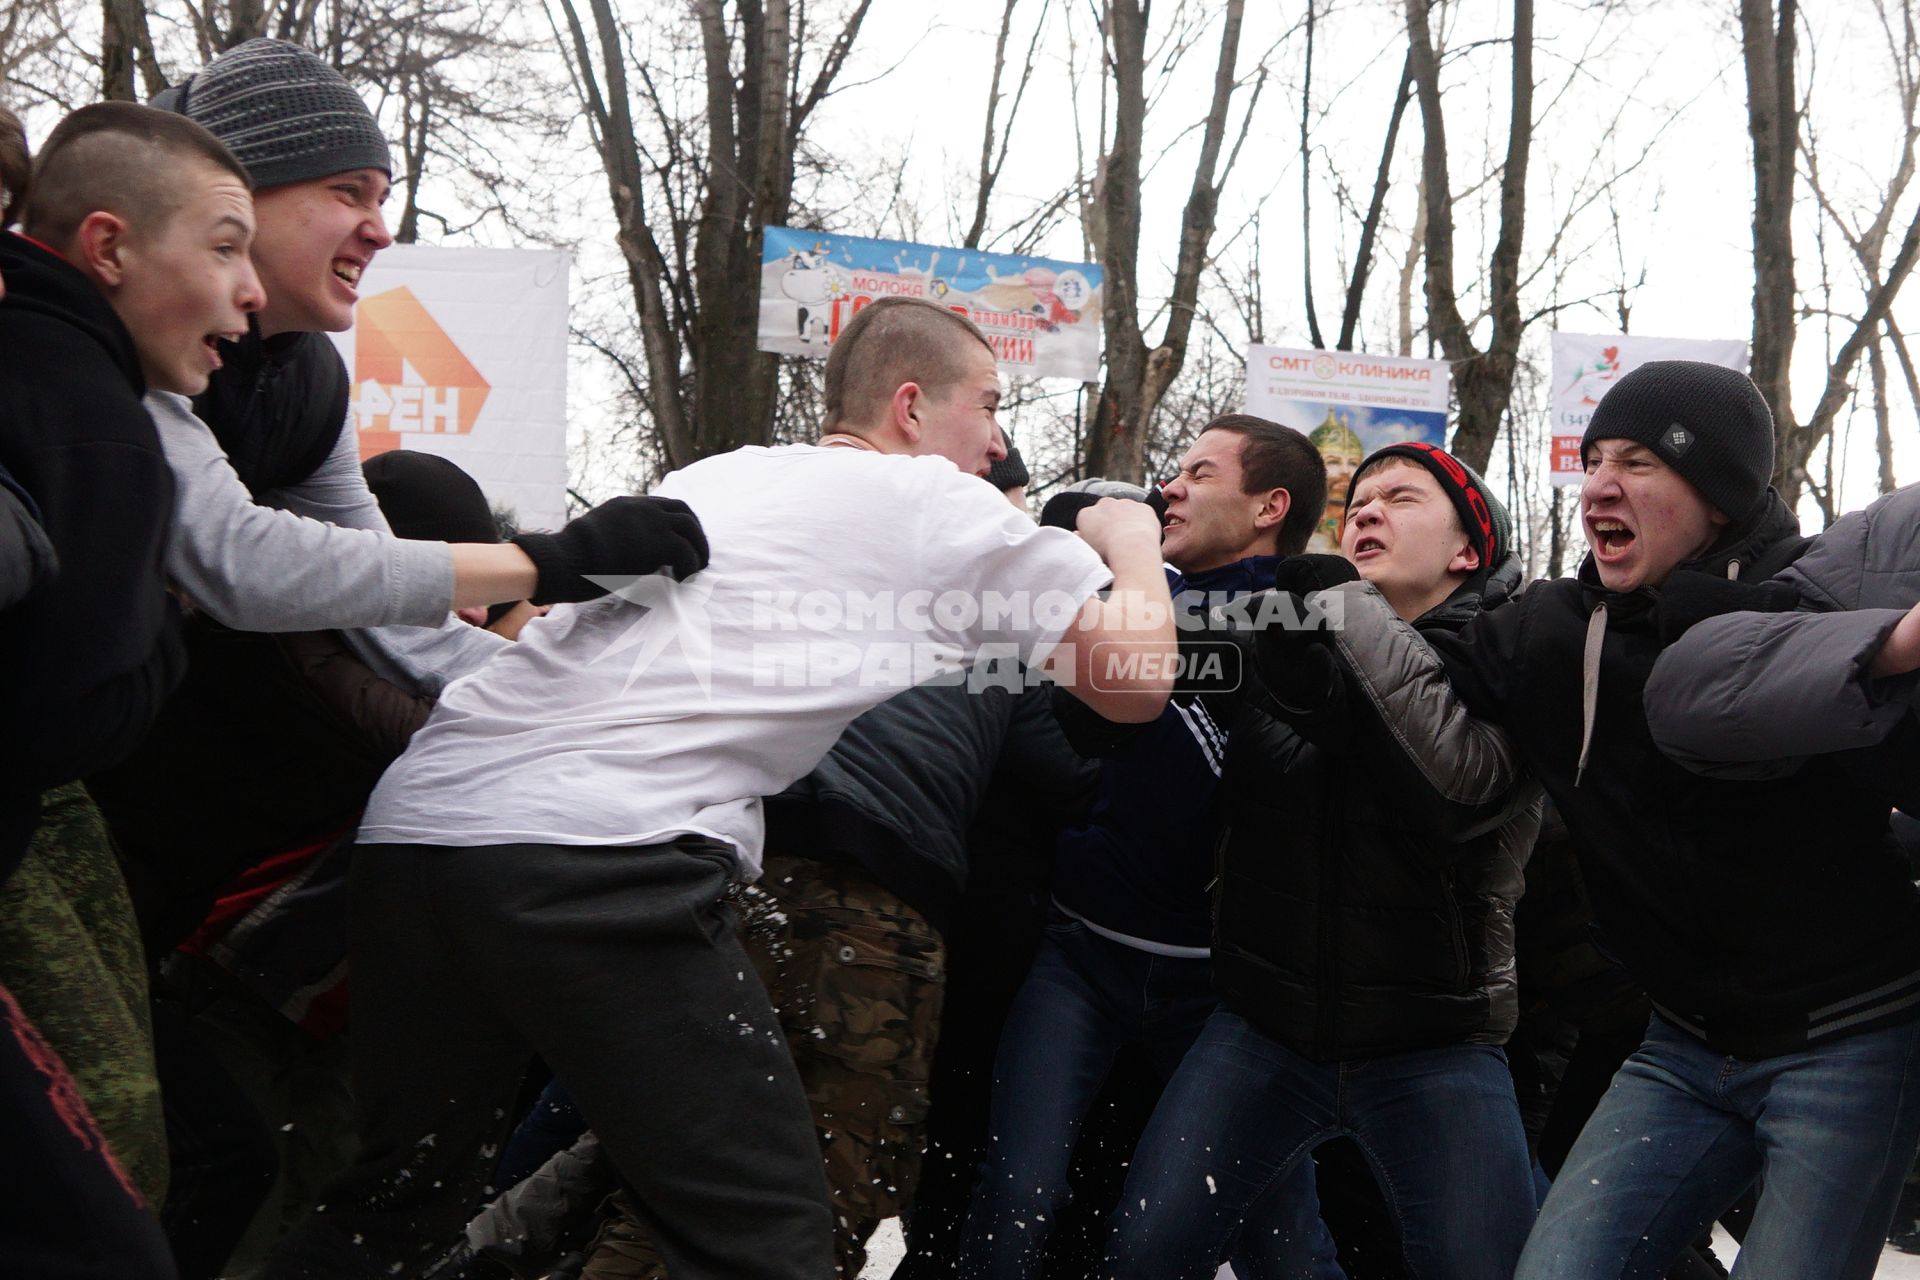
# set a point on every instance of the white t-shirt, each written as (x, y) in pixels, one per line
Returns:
(839, 577)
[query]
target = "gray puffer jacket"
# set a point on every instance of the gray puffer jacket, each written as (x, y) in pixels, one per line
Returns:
(1754, 695)
(1356, 915)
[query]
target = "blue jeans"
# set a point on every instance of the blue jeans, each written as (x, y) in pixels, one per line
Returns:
(1441, 1128)
(1084, 1000)
(1830, 1131)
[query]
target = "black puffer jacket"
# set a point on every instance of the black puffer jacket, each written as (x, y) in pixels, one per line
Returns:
(1353, 919)
(276, 406)
(1761, 916)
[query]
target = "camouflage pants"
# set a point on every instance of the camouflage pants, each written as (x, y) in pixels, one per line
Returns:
(70, 953)
(856, 976)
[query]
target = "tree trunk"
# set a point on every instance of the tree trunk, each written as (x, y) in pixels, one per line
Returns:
(646, 266)
(126, 46)
(1773, 122)
(1116, 445)
(1483, 380)
(1369, 229)
(1138, 376)
(747, 132)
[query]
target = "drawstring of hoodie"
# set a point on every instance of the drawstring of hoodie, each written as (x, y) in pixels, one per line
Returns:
(1590, 674)
(1590, 683)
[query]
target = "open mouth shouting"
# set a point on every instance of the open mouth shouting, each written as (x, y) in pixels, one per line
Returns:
(1611, 539)
(211, 342)
(1367, 546)
(348, 270)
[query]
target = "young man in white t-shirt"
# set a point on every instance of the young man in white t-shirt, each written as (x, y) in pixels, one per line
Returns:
(543, 870)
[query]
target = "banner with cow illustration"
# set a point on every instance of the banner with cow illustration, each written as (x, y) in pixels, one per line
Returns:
(1042, 316)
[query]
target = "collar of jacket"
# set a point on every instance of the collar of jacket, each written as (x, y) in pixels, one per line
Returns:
(1755, 550)
(1251, 573)
(1483, 589)
(39, 280)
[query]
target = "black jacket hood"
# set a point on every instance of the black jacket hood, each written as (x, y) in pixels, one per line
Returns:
(40, 280)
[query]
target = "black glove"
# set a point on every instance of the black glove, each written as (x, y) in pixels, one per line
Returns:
(1301, 574)
(1063, 509)
(1689, 596)
(1293, 660)
(624, 536)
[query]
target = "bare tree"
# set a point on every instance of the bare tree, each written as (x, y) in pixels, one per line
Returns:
(1775, 113)
(690, 214)
(126, 44)
(997, 136)
(1482, 379)
(1370, 223)
(1138, 375)
(40, 61)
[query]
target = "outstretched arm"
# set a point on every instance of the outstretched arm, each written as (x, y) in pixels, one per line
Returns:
(1753, 694)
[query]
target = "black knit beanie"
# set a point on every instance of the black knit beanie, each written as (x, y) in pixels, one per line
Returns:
(1009, 472)
(1708, 423)
(424, 496)
(1481, 514)
(287, 116)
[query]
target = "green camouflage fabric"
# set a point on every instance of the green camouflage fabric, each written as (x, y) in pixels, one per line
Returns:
(857, 977)
(70, 953)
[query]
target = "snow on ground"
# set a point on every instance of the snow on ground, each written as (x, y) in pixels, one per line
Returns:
(1894, 1265)
(885, 1251)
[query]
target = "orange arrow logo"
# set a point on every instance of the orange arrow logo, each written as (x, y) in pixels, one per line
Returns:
(409, 377)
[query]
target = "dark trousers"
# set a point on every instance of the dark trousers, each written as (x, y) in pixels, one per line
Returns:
(620, 968)
(68, 1211)
(1440, 1127)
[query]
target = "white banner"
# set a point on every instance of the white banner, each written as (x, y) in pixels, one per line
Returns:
(1348, 404)
(463, 353)
(1586, 364)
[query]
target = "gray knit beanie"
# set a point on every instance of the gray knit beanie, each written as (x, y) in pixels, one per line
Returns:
(287, 116)
(1709, 423)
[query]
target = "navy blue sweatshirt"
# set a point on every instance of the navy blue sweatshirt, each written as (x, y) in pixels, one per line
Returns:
(1140, 863)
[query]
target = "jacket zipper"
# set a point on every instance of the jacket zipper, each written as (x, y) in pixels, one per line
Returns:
(1456, 931)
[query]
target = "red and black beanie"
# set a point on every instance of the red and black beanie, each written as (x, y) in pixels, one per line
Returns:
(1481, 514)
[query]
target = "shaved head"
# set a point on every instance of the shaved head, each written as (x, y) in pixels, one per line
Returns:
(15, 166)
(891, 342)
(128, 160)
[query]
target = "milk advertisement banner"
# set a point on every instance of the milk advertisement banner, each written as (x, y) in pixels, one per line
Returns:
(1349, 405)
(1586, 364)
(463, 353)
(1042, 316)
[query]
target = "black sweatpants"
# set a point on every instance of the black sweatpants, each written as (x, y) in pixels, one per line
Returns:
(620, 968)
(67, 1209)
